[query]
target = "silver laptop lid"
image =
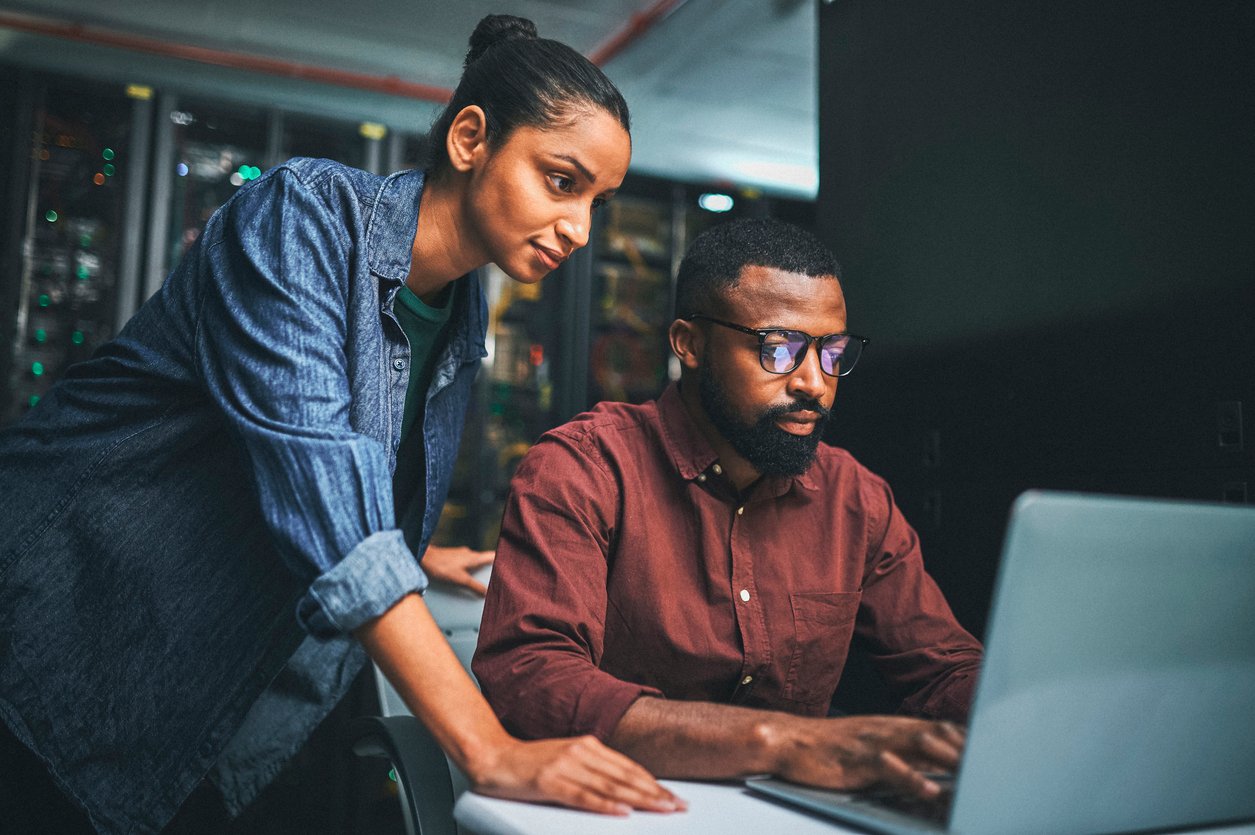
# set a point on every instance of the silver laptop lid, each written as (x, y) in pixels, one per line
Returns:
(1118, 691)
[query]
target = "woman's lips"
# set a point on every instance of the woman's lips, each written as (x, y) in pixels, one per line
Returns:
(548, 258)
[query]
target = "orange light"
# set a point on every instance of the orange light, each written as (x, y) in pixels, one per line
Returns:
(537, 354)
(99, 179)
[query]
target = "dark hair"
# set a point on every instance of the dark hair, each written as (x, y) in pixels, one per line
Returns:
(716, 257)
(519, 78)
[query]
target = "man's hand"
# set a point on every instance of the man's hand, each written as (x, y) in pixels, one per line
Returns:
(707, 741)
(859, 751)
(454, 566)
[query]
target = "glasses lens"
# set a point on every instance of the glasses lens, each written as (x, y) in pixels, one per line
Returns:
(780, 351)
(838, 354)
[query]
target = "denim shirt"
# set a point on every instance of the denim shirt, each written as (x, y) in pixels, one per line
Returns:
(195, 519)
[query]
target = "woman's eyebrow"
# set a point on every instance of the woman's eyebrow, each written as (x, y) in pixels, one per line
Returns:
(591, 177)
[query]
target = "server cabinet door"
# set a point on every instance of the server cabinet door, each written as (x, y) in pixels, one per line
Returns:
(76, 213)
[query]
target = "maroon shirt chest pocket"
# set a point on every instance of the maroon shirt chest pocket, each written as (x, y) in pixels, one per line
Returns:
(823, 623)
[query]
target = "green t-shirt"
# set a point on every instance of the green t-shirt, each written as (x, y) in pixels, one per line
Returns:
(427, 328)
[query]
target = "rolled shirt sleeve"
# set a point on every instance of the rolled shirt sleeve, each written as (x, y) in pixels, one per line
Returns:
(542, 635)
(270, 345)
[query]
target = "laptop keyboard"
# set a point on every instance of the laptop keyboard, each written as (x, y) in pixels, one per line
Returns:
(934, 810)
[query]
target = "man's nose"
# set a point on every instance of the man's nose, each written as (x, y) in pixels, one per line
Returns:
(808, 379)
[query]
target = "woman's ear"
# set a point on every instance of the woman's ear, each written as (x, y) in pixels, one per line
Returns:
(467, 141)
(687, 343)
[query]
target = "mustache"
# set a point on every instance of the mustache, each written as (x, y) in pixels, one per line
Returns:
(800, 405)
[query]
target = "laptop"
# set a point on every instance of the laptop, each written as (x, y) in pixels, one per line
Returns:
(1118, 687)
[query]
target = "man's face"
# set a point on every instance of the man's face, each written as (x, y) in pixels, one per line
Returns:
(775, 421)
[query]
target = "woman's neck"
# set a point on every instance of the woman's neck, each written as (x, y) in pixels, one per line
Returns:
(444, 247)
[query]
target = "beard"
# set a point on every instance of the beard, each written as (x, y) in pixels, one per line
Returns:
(767, 447)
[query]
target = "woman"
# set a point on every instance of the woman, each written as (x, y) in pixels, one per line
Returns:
(202, 524)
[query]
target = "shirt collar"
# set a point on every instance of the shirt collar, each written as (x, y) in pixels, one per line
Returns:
(693, 455)
(389, 252)
(686, 446)
(393, 224)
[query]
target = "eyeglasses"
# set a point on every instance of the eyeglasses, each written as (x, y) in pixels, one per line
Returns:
(781, 351)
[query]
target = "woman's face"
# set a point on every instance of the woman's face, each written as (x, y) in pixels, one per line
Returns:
(531, 198)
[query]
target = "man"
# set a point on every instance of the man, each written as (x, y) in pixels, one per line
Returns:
(683, 578)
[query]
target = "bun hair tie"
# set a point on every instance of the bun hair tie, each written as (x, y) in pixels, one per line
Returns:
(496, 29)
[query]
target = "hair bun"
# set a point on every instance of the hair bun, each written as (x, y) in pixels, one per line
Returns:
(495, 29)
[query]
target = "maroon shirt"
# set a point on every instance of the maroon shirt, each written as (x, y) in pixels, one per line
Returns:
(628, 566)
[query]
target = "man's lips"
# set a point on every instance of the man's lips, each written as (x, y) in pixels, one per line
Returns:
(550, 258)
(798, 423)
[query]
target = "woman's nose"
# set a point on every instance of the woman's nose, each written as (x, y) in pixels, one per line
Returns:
(574, 230)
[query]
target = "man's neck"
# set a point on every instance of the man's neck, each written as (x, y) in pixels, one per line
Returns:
(740, 472)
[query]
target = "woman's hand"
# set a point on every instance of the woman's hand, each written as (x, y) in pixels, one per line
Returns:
(409, 647)
(454, 566)
(579, 772)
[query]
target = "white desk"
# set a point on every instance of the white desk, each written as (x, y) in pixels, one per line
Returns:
(721, 808)
(714, 808)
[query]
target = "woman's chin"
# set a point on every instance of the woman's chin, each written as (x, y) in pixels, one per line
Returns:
(532, 274)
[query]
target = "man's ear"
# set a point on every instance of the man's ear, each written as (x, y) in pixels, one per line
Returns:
(467, 141)
(687, 343)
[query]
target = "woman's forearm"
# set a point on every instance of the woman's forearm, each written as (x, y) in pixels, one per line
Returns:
(412, 652)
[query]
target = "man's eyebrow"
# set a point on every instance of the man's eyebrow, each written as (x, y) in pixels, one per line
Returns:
(591, 177)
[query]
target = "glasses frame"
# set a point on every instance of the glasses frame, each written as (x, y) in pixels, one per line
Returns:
(763, 333)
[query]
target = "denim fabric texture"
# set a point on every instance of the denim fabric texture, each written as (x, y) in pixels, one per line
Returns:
(203, 510)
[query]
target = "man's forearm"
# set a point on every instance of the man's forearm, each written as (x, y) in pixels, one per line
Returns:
(710, 741)
(700, 740)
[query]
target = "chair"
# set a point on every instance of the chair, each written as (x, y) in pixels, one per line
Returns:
(427, 781)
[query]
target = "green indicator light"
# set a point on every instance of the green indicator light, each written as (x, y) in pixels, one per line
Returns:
(109, 169)
(44, 301)
(33, 400)
(37, 369)
(254, 172)
(51, 217)
(392, 774)
(82, 272)
(107, 153)
(41, 335)
(77, 337)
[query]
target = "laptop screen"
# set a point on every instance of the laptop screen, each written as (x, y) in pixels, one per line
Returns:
(1118, 690)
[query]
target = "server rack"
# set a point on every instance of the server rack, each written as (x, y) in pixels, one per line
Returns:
(595, 330)
(72, 243)
(106, 188)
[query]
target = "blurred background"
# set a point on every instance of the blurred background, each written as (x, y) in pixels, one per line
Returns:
(1044, 213)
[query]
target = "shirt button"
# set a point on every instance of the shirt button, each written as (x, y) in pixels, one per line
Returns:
(718, 470)
(740, 511)
(746, 680)
(701, 477)
(398, 364)
(745, 595)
